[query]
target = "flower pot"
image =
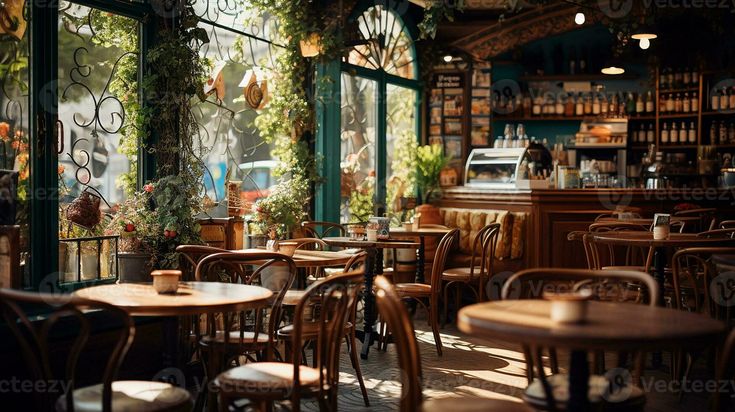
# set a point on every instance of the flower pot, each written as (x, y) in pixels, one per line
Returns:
(134, 267)
(89, 264)
(430, 215)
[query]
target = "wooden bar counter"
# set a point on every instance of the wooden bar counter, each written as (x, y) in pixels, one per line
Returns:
(553, 213)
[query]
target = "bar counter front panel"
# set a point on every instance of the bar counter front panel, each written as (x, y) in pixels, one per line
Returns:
(553, 213)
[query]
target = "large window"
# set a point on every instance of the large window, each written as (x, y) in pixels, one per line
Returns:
(379, 116)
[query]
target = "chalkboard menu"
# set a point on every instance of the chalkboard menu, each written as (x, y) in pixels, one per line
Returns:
(448, 115)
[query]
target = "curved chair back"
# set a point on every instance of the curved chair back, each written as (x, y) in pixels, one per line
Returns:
(35, 340)
(579, 235)
(309, 243)
(393, 312)
(489, 244)
(321, 230)
(190, 255)
(727, 224)
(707, 217)
(607, 285)
(440, 260)
(248, 268)
(725, 233)
(693, 273)
(601, 255)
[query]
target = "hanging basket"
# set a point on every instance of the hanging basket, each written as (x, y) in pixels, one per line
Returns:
(85, 210)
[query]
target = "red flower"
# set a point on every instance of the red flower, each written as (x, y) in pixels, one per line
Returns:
(60, 169)
(149, 188)
(4, 130)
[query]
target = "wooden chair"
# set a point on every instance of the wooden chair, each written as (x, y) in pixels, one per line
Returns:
(225, 337)
(320, 230)
(190, 255)
(20, 312)
(606, 257)
(431, 292)
(394, 313)
(727, 224)
(707, 217)
(474, 277)
(356, 264)
(266, 382)
(606, 285)
(730, 232)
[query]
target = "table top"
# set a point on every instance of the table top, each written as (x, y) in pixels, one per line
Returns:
(641, 238)
(313, 258)
(647, 221)
(611, 326)
(192, 298)
(424, 231)
(364, 244)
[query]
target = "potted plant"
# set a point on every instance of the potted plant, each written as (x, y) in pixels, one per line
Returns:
(430, 160)
(281, 212)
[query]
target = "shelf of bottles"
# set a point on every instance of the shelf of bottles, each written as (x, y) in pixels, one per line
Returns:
(481, 108)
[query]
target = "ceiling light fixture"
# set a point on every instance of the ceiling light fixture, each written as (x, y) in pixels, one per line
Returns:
(579, 18)
(448, 58)
(644, 44)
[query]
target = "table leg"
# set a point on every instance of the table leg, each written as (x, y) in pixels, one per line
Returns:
(421, 264)
(579, 375)
(371, 263)
(659, 264)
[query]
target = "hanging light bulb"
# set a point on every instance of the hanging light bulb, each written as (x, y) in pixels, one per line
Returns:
(644, 44)
(579, 18)
(448, 58)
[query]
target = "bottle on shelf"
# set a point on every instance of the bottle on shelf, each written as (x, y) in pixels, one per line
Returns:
(674, 133)
(670, 103)
(649, 103)
(731, 133)
(559, 107)
(604, 105)
(595, 105)
(695, 77)
(677, 79)
(630, 105)
(587, 105)
(723, 133)
(686, 78)
(614, 105)
(724, 101)
(650, 134)
(664, 134)
(692, 134)
(686, 104)
(663, 79)
(536, 108)
(715, 101)
(662, 103)
(731, 98)
(498, 143)
(694, 107)
(579, 106)
(678, 104)
(569, 106)
(670, 78)
(639, 105)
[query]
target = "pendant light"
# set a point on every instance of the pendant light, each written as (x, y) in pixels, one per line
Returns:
(613, 67)
(579, 18)
(644, 44)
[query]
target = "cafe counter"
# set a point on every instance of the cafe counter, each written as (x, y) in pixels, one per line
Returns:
(548, 215)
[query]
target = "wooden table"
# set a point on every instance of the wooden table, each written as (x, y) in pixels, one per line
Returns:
(609, 326)
(421, 233)
(373, 266)
(313, 258)
(649, 221)
(192, 298)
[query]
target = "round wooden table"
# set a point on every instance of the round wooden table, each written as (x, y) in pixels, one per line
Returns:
(192, 298)
(609, 326)
(373, 266)
(421, 233)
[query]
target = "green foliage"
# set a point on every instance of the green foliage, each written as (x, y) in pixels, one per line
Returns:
(437, 11)
(283, 209)
(361, 201)
(430, 160)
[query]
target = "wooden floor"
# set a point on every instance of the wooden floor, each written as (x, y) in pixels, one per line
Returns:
(474, 367)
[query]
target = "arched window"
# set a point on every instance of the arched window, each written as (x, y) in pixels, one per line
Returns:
(379, 117)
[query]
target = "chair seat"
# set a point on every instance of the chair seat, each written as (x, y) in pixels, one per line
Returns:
(309, 330)
(266, 377)
(247, 337)
(636, 268)
(139, 396)
(472, 404)
(461, 274)
(628, 398)
(293, 297)
(413, 289)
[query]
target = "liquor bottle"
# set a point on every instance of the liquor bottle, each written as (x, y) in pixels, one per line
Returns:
(665, 134)
(641, 135)
(604, 105)
(677, 79)
(662, 80)
(639, 105)
(683, 133)
(498, 143)
(670, 103)
(630, 105)
(695, 103)
(662, 103)
(695, 77)
(650, 134)
(649, 102)
(670, 79)
(686, 104)
(686, 77)
(536, 110)
(715, 101)
(692, 134)
(579, 106)
(674, 133)
(559, 107)
(731, 98)
(569, 106)
(677, 103)
(724, 101)
(614, 105)
(587, 105)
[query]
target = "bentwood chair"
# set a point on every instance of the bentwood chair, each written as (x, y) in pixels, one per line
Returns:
(730, 232)
(475, 276)
(607, 257)
(707, 217)
(394, 313)
(605, 285)
(355, 265)
(190, 255)
(727, 224)
(40, 352)
(226, 337)
(422, 292)
(313, 228)
(266, 382)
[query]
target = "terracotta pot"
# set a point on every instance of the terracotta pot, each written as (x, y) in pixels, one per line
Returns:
(430, 215)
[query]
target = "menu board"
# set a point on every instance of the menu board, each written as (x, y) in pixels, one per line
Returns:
(480, 109)
(448, 109)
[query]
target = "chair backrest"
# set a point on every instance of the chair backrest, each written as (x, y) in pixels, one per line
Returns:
(615, 215)
(727, 224)
(730, 232)
(320, 230)
(393, 312)
(248, 268)
(309, 243)
(34, 337)
(600, 255)
(693, 273)
(579, 235)
(480, 244)
(440, 260)
(707, 217)
(335, 295)
(190, 255)
(607, 285)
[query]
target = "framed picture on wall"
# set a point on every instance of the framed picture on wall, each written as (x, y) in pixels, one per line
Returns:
(10, 257)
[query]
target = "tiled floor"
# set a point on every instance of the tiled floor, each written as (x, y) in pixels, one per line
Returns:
(468, 367)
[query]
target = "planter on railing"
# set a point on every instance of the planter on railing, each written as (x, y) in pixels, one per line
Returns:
(88, 258)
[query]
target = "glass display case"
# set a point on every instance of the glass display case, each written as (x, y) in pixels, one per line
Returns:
(506, 168)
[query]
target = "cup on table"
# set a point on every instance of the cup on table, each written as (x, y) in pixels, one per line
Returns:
(661, 226)
(287, 248)
(372, 235)
(166, 281)
(568, 307)
(407, 226)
